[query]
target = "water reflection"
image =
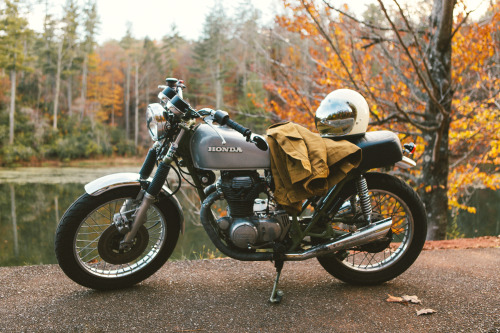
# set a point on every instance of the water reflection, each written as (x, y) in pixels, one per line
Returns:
(31, 205)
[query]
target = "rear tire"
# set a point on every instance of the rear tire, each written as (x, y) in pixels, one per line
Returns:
(81, 227)
(391, 197)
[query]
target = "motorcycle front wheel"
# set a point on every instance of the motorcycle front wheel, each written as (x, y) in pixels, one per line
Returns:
(87, 242)
(381, 260)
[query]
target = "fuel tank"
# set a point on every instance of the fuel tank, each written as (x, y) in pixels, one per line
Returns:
(209, 153)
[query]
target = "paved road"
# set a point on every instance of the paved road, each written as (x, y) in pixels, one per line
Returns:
(231, 296)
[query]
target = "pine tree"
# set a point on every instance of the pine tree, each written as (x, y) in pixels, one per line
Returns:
(90, 23)
(211, 54)
(12, 57)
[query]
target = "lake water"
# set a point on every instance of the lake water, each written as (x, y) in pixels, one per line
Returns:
(32, 200)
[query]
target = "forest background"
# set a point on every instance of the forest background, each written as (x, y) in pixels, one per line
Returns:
(427, 69)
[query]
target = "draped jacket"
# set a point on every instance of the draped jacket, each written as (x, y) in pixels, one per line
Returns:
(304, 164)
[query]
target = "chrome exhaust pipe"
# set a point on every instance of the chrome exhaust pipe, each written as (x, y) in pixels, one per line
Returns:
(364, 235)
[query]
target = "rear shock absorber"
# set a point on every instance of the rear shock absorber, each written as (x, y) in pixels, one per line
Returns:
(364, 198)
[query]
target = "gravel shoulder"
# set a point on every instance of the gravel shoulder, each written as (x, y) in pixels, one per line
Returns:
(462, 285)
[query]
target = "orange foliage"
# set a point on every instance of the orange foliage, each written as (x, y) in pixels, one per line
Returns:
(475, 133)
(345, 58)
(104, 90)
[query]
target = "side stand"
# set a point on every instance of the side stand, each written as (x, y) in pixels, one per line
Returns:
(277, 295)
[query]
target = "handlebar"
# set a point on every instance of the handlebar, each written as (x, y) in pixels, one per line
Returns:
(223, 118)
(173, 91)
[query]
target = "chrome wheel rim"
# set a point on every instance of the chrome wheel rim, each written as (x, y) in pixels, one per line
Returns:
(90, 230)
(385, 204)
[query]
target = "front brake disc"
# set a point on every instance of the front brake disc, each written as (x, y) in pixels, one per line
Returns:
(109, 246)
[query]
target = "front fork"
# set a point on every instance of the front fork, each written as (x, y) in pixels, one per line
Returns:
(152, 191)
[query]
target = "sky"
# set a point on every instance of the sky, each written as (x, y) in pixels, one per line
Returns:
(153, 18)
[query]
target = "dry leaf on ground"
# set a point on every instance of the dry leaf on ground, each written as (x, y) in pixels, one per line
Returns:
(425, 312)
(394, 299)
(405, 299)
(411, 299)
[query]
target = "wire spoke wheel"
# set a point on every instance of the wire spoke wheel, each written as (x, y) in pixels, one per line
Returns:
(88, 237)
(88, 243)
(384, 205)
(383, 259)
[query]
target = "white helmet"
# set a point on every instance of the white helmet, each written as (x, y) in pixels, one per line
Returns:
(342, 112)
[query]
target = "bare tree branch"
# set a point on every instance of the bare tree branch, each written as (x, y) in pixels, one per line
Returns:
(414, 123)
(369, 25)
(417, 70)
(419, 48)
(329, 40)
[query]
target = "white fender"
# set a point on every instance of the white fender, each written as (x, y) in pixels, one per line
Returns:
(109, 182)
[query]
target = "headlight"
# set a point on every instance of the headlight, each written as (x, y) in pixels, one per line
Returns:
(156, 121)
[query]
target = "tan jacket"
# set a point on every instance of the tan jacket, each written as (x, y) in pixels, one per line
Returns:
(304, 165)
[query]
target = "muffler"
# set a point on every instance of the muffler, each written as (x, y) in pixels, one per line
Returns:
(364, 235)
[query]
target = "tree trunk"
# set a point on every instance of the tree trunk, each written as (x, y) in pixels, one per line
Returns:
(12, 104)
(113, 104)
(58, 84)
(70, 95)
(147, 87)
(436, 154)
(127, 103)
(136, 118)
(218, 87)
(84, 87)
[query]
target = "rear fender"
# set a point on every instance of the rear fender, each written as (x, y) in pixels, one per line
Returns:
(109, 182)
(406, 163)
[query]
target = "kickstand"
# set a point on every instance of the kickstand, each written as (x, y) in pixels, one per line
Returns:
(277, 295)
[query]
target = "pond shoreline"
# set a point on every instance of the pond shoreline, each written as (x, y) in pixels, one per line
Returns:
(97, 162)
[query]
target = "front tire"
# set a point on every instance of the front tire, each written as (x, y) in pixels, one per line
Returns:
(374, 264)
(79, 248)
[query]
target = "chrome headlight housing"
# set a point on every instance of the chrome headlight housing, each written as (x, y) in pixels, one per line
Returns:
(156, 121)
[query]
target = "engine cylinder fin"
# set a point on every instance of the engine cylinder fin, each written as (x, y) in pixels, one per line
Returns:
(240, 189)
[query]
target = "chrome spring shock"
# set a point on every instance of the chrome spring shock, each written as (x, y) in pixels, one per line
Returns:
(364, 198)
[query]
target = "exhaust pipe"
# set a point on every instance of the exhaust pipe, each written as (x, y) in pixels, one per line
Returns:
(364, 235)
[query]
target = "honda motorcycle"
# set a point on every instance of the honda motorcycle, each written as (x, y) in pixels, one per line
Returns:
(368, 228)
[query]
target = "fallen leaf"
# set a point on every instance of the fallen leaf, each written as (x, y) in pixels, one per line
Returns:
(394, 299)
(425, 311)
(411, 299)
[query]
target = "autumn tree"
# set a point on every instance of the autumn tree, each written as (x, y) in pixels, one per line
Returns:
(406, 69)
(126, 43)
(90, 24)
(13, 33)
(66, 53)
(211, 55)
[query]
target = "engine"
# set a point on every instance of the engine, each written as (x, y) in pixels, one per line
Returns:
(251, 222)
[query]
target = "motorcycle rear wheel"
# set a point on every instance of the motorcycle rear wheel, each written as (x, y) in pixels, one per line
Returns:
(85, 235)
(382, 261)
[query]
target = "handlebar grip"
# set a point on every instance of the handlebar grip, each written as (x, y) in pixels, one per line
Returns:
(221, 117)
(238, 128)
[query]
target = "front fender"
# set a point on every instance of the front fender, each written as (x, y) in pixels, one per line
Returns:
(109, 182)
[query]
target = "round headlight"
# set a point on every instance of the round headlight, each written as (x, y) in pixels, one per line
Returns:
(156, 121)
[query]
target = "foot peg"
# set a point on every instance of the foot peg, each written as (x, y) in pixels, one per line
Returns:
(277, 295)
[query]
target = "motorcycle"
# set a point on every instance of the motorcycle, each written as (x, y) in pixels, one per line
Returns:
(368, 228)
